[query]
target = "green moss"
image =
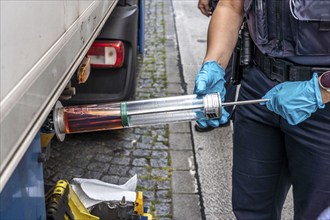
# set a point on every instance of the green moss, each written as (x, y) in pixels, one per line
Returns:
(163, 40)
(148, 134)
(152, 96)
(154, 139)
(142, 189)
(169, 160)
(149, 168)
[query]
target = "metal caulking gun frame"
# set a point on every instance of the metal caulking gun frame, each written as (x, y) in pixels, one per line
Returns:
(108, 116)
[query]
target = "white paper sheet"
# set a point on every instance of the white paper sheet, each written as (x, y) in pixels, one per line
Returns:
(93, 191)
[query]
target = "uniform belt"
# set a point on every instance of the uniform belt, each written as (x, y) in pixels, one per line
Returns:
(282, 70)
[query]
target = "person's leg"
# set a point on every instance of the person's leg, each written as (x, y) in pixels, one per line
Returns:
(260, 174)
(308, 152)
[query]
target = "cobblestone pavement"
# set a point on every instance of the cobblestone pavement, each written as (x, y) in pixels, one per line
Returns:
(162, 155)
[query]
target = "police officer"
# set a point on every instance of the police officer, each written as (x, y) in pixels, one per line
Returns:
(286, 140)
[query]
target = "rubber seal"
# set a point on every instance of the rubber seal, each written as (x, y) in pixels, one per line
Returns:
(123, 114)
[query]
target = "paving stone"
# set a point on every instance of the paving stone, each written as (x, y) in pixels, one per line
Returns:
(103, 158)
(160, 146)
(159, 154)
(99, 166)
(74, 173)
(129, 136)
(121, 160)
(48, 174)
(145, 95)
(159, 163)
(146, 139)
(79, 162)
(123, 180)
(141, 131)
(141, 153)
(103, 150)
(54, 151)
(162, 138)
(145, 183)
(123, 144)
(118, 170)
(159, 173)
(161, 132)
(163, 185)
(158, 126)
(84, 156)
(110, 179)
(140, 171)
(149, 195)
(92, 175)
(163, 209)
(142, 162)
(124, 152)
(164, 196)
(143, 145)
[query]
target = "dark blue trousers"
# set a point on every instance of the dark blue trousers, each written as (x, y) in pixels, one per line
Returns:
(270, 155)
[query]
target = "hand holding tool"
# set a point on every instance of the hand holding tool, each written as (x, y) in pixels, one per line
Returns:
(210, 79)
(295, 101)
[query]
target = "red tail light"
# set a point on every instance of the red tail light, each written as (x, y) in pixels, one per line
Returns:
(106, 54)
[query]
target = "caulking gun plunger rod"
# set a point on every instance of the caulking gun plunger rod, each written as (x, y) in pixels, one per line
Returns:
(109, 116)
(254, 101)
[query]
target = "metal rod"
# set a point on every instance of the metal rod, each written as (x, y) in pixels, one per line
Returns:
(255, 101)
(198, 105)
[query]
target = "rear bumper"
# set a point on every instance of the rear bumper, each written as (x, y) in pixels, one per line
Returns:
(113, 84)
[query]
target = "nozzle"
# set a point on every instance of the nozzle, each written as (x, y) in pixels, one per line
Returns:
(58, 117)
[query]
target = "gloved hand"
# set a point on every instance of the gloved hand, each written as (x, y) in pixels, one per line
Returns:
(210, 79)
(295, 101)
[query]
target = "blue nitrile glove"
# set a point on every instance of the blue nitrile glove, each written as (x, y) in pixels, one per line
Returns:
(210, 79)
(295, 101)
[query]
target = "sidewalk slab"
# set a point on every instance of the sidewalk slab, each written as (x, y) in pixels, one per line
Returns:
(182, 160)
(186, 207)
(179, 127)
(184, 182)
(180, 141)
